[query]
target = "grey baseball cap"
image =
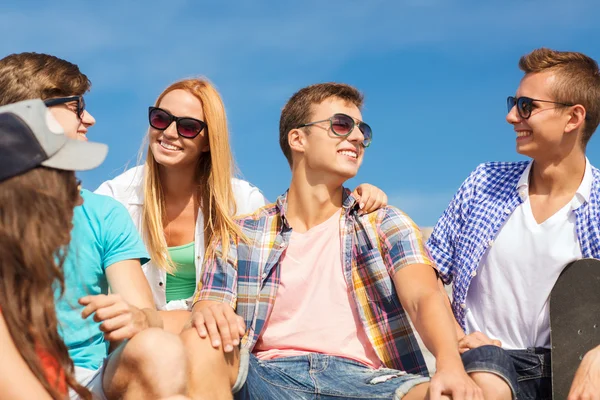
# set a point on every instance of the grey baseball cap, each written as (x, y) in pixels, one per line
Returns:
(31, 137)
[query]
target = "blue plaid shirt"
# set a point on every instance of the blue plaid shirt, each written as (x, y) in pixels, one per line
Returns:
(475, 215)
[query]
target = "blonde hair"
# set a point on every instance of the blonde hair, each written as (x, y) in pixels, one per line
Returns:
(214, 173)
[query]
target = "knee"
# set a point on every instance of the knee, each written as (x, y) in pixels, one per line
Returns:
(154, 353)
(205, 359)
(493, 386)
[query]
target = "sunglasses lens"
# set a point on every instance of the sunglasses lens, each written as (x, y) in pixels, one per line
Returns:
(367, 133)
(81, 106)
(188, 127)
(525, 106)
(342, 124)
(159, 119)
(510, 103)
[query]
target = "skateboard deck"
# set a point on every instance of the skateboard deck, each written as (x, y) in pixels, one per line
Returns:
(574, 321)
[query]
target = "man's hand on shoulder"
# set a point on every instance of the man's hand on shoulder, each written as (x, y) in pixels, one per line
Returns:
(370, 198)
(586, 385)
(219, 322)
(119, 320)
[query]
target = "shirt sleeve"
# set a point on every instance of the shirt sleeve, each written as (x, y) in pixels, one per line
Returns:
(249, 200)
(402, 240)
(219, 279)
(442, 243)
(120, 236)
(105, 189)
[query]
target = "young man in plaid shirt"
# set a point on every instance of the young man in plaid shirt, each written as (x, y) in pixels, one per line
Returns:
(513, 226)
(325, 292)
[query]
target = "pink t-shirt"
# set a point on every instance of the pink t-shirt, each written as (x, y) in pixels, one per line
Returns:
(314, 311)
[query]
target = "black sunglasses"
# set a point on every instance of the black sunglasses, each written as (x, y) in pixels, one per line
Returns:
(62, 100)
(343, 125)
(525, 105)
(186, 127)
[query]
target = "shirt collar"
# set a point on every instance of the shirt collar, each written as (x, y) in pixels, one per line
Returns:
(349, 204)
(582, 195)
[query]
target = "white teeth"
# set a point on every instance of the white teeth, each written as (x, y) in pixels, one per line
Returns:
(348, 153)
(523, 133)
(169, 146)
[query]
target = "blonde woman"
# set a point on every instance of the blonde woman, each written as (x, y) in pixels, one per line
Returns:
(185, 193)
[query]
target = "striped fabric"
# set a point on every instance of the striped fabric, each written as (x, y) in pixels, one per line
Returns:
(475, 215)
(374, 247)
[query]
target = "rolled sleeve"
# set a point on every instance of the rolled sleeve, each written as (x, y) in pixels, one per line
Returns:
(219, 279)
(403, 241)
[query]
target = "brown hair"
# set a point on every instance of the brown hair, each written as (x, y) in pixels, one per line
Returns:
(577, 81)
(36, 210)
(298, 110)
(27, 76)
(214, 173)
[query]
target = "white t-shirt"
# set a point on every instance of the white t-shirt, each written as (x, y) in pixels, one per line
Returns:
(508, 297)
(128, 189)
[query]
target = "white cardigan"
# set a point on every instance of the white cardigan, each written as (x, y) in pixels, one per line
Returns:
(127, 188)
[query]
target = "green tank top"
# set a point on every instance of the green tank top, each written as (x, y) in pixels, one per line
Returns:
(182, 284)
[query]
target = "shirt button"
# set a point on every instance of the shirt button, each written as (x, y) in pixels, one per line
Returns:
(507, 211)
(474, 274)
(160, 283)
(463, 306)
(264, 275)
(491, 242)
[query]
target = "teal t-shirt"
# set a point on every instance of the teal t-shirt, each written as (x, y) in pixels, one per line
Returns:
(103, 234)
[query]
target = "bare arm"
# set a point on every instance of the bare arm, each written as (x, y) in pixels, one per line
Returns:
(16, 379)
(459, 332)
(129, 309)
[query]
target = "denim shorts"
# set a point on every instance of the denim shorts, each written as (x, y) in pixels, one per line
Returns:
(527, 372)
(319, 376)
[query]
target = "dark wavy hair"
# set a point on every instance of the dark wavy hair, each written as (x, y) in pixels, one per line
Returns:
(36, 212)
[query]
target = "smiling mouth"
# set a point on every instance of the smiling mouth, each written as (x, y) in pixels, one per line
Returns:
(169, 146)
(522, 134)
(349, 153)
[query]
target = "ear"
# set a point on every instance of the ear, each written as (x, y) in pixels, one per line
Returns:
(297, 140)
(576, 118)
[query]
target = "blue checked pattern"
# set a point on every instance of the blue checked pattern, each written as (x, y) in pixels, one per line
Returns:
(475, 215)
(375, 246)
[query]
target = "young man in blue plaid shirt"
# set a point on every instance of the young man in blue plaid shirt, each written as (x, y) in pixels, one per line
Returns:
(513, 226)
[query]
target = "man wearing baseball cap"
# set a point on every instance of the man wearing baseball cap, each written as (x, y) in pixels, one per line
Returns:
(115, 340)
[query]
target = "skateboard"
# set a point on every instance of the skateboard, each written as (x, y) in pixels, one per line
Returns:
(574, 321)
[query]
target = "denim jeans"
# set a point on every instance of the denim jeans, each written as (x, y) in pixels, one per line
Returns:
(323, 377)
(527, 372)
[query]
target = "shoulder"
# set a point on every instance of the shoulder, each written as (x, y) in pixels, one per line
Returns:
(248, 197)
(498, 171)
(390, 218)
(258, 217)
(126, 188)
(100, 206)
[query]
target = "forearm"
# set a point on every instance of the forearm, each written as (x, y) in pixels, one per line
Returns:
(459, 331)
(437, 328)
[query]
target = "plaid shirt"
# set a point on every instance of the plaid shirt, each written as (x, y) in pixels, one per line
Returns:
(374, 247)
(475, 215)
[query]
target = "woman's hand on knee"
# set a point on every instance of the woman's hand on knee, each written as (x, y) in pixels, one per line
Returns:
(220, 323)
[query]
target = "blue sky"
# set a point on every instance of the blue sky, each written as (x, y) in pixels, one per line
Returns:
(435, 74)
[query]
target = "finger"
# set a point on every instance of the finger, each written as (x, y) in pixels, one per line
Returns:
(211, 328)
(120, 334)
(369, 203)
(435, 393)
(116, 323)
(96, 302)
(223, 325)
(241, 325)
(497, 343)
(198, 323)
(234, 325)
(104, 313)
(384, 201)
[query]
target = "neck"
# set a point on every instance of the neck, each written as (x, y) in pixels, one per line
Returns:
(557, 177)
(311, 202)
(178, 184)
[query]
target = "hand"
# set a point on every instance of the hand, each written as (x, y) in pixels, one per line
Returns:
(120, 320)
(370, 198)
(221, 323)
(586, 385)
(455, 383)
(474, 340)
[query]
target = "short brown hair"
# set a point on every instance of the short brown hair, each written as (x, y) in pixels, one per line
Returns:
(27, 76)
(578, 81)
(297, 110)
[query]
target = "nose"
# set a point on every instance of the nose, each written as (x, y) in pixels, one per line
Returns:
(513, 116)
(356, 136)
(87, 119)
(171, 131)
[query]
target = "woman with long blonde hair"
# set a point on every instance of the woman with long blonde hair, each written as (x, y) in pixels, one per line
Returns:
(186, 192)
